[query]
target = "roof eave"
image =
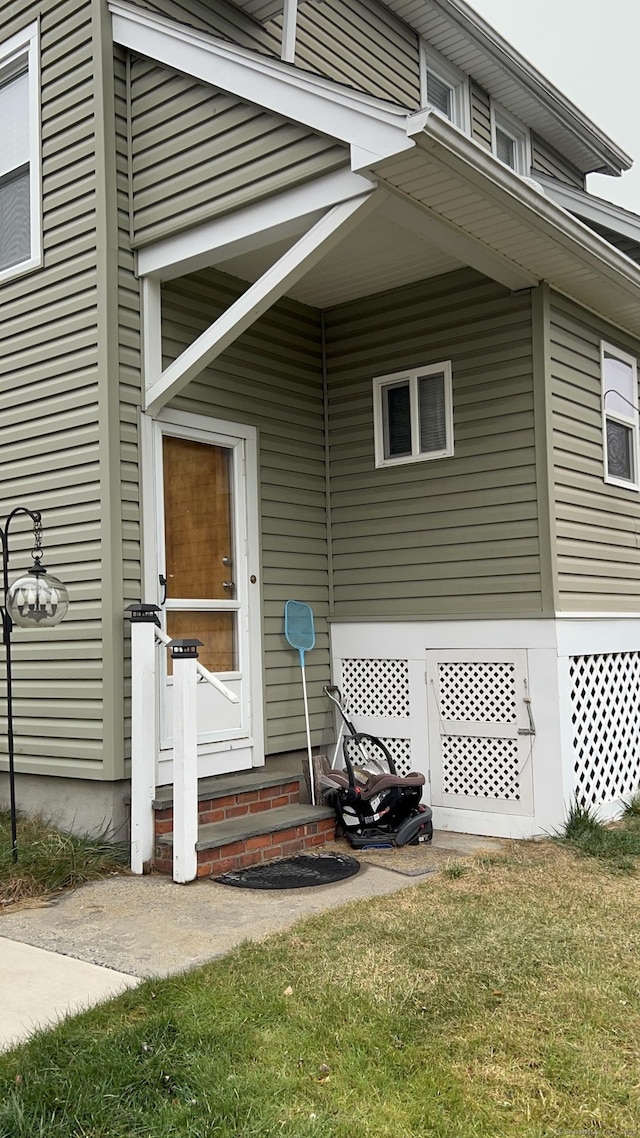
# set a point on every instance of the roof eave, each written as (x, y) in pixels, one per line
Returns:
(608, 157)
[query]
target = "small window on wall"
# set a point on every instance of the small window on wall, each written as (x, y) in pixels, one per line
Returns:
(444, 88)
(20, 224)
(510, 141)
(620, 417)
(413, 415)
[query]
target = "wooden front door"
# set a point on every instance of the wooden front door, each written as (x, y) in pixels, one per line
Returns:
(204, 550)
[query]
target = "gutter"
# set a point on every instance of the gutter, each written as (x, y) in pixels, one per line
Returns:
(436, 135)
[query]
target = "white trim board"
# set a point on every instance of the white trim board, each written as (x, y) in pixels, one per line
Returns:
(254, 227)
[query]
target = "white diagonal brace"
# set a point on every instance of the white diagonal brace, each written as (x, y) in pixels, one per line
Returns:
(294, 264)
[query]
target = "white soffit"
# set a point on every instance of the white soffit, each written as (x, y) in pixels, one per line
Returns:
(517, 222)
(377, 256)
(476, 48)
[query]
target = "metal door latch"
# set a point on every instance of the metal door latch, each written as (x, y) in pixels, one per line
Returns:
(531, 729)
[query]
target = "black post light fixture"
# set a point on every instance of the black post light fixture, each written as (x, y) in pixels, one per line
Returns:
(35, 598)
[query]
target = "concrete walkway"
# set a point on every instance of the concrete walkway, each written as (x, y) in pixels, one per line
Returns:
(37, 988)
(90, 944)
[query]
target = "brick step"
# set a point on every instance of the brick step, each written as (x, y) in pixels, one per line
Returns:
(246, 840)
(224, 797)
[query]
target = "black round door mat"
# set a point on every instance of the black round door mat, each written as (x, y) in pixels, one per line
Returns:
(297, 872)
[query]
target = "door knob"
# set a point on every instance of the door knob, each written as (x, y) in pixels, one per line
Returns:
(227, 561)
(229, 586)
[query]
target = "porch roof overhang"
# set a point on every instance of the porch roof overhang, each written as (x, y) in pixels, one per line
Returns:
(447, 189)
(460, 183)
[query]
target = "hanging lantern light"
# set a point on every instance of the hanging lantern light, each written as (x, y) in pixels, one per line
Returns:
(37, 598)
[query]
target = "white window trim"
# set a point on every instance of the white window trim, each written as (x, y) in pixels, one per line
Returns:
(448, 73)
(631, 420)
(382, 381)
(518, 132)
(25, 45)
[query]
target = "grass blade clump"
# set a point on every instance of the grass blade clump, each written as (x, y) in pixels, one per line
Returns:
(50, 860)
(616, 843)
(632, 807)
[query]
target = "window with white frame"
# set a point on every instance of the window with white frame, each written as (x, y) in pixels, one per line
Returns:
(444, 87)
(413, 415)
(20, 208)
(620, 416)
(510, 141)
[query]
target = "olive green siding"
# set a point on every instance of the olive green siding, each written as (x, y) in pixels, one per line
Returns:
(452, 536)
(221, 19)
(598, 555)
(360, 44)
(271, 379)
(198, 153)
(52, 405)
(546, 160)
(480, 116)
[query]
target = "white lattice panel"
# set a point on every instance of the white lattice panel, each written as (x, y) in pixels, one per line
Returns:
(376, 688)
(478, 692)
(481, 768)
(605, 697)
(400, 751)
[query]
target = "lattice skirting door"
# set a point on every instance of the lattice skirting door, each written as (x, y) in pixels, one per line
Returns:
(605, 705)
(480, 749)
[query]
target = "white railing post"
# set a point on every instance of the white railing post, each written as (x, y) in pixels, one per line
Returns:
(184, 654)
(143, 733)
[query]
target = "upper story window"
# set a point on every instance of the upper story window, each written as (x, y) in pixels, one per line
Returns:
(443, 87)
(510, 141)
(20, 209)
(413, 415)
(620, 417)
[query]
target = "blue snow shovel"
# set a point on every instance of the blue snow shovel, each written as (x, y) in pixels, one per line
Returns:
(299, 631)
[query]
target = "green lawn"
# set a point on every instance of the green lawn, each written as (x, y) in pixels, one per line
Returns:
(500, 999)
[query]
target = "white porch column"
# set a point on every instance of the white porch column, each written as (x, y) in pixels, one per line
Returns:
(184, 654)
(143, 733)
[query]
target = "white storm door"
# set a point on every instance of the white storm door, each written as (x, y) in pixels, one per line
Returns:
(207, 535)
